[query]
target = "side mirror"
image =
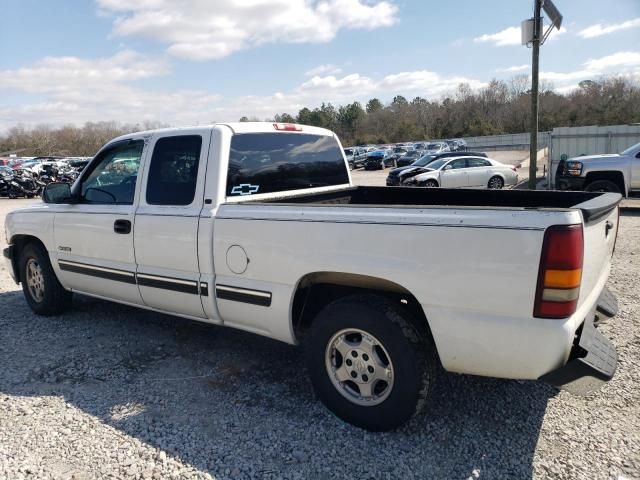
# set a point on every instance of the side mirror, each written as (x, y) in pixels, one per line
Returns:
(447, 167)
(57, 193)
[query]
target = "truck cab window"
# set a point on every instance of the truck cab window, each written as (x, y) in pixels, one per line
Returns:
(277, 162)
(113, 178)
(174, 170)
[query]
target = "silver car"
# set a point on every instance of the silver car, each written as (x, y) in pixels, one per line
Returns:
(465, 172)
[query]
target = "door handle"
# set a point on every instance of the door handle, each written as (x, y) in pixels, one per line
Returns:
(122, 226)
(608, 226)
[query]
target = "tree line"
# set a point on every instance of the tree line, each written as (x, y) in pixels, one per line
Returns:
(501, 107)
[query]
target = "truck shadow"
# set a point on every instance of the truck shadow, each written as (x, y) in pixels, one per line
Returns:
(238, 405)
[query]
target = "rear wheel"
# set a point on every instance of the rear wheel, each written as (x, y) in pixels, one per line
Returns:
(368, 363)
(603, 186)
(42, 290)
(496, 183)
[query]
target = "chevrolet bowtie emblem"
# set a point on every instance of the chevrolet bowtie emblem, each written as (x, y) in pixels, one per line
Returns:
(245, 189)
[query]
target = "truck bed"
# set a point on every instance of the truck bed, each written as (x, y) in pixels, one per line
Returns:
(593, 205)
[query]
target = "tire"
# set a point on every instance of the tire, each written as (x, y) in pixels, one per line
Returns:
(42, 290)
(602, 186)
(400, 348)
(430, 184)
(495, 183)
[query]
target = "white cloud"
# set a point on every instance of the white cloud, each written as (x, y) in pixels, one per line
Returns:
(619, 63)
(512, 36)
(328, 69)
(204, 30)
(620, 59)
(516, 68)
(77, 90)
(508, 36)
(600, 29)
(105, 89)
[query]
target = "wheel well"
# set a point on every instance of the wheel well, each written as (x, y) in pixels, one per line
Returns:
(317, 290)
(19, 242)
(612, 176)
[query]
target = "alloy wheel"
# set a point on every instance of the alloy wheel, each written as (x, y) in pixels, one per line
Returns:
(359, 367)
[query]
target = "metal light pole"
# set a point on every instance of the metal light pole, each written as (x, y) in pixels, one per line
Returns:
(535, 60)
(532, 34)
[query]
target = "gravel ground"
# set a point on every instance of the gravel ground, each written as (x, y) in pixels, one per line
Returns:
(108, 391)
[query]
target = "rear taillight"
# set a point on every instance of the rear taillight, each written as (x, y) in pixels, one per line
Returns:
(560, 272)
(287, 127)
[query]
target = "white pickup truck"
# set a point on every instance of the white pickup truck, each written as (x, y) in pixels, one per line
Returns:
(257, 226)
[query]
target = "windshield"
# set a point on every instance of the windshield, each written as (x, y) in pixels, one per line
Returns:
(631, 149)
(423, 161)
(433, 146)
(438, 163)
(399, 150)
(277, 162)
(348, 152)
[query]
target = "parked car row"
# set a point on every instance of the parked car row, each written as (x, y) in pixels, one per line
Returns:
(381, 156)
(28, 177)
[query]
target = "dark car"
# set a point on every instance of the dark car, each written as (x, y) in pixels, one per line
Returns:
(396, 175)
(379, 160)
(408, 158)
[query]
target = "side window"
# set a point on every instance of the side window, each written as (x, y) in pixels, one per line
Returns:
(459, 163)
(478, 162)
(173, 171)
(112, 179)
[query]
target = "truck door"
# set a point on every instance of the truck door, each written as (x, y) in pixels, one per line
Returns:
(166, 222)
(94, 237)
(456, 176)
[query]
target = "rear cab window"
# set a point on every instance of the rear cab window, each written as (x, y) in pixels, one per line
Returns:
(173, 170)
(279, 162)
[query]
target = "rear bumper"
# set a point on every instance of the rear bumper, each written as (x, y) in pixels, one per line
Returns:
(593, 359)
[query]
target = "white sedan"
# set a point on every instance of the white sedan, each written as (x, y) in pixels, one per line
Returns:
(465, 172)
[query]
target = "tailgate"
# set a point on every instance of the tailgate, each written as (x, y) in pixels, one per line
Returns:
(601, 217)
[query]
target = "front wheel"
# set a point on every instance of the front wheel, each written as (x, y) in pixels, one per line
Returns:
(42, 290)
(496, 183)
(368, 363)
(603, 186)
(430, 184)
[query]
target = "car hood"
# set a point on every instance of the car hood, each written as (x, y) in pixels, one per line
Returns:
(399, 170)
(413, 170)
(427, 175)
(603, 156)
